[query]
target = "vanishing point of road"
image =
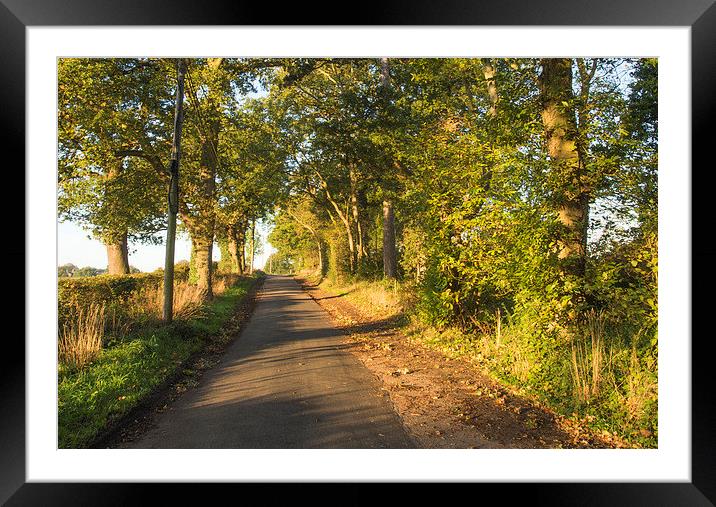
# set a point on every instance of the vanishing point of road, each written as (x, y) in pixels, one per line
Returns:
(286, 382)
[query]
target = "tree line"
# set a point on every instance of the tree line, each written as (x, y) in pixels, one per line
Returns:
(523, 185)
(492, 183)
(115, 119)
(514, 199)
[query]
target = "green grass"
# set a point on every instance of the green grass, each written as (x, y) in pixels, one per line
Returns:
(124, 374)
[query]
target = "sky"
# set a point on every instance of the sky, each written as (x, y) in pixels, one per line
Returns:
(76, 247)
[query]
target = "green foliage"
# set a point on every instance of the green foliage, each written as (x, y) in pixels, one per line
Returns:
(455, 145)
(224, 265)
(103, 103)
(540, 364)
(88, 271)
(280, 264)
(477, 200)
(103, 289)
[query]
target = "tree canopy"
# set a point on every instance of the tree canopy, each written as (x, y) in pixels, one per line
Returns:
(523, 184)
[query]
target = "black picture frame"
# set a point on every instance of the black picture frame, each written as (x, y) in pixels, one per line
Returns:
(700, 15)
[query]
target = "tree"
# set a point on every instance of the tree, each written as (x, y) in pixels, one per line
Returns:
(253, 174)
(67, 270)
(390, 262)
(89, 271)
(567, 167)
(101, 104)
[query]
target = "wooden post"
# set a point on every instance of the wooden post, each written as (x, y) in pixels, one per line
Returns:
(168, 310)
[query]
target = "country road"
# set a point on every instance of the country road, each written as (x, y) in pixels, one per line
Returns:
(286, 382)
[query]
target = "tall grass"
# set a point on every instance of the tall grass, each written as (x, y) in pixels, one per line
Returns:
(81, 337)
(84, 329)
(588, 359)
(187, 302)
(127, 370)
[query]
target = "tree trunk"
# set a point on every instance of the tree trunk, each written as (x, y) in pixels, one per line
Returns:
(117, 255)
(351, 245)
(225, 264)
(570, 192)
(202, 249)
(344, 217)
(389, 255)
(321, 267)
(316, 237)
(488, 70)
(363, 223)
(115, 241)
(205, 238)
(201, 225)
(233, 247)
(241, 246)
(360, 247)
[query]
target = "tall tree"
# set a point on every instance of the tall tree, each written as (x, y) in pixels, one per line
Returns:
(102, 104)
(569, 190)
(390, 262)
(208, 87)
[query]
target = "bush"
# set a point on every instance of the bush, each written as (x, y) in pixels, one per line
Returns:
(131, 301)
(599, 368)
(107, 290)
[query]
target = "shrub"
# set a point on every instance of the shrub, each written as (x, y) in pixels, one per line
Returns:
(115, 292)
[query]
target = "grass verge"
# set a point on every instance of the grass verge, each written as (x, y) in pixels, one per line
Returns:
(91, 398)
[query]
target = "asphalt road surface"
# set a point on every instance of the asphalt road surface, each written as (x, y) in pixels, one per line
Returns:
(286, 382)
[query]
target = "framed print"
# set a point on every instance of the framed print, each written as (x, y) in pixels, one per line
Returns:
(677, 468)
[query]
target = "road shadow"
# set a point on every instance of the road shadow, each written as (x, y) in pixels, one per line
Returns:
(288, 382)
(452, 387)
(278, 422)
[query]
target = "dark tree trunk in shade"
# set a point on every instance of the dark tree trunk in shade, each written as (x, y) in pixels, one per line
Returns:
(240, 235)
(389, 250)
(253, 246)
(389, 254)
(233, 247)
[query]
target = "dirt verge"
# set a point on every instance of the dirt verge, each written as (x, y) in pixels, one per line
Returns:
(444, 402)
